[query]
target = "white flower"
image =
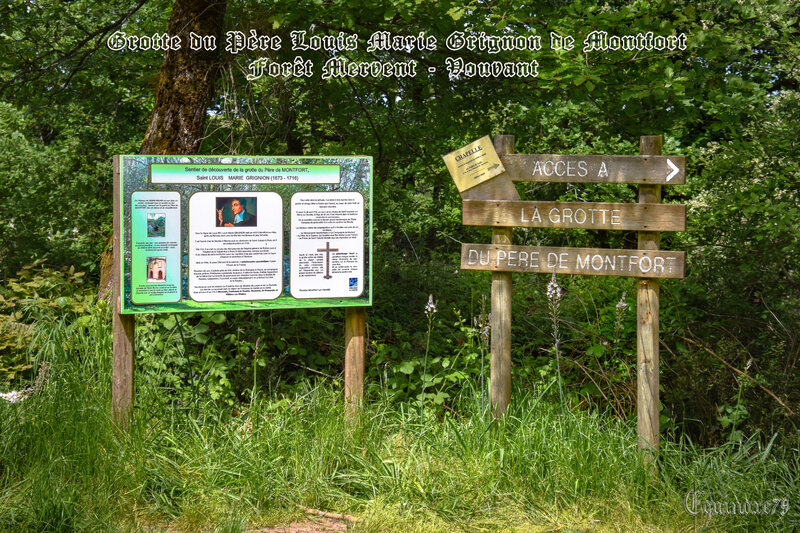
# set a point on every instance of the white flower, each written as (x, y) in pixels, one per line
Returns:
(553, 290)
(430, 307)
(621, 305)
(483, 329)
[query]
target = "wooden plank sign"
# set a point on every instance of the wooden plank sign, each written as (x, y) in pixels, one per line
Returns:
(576, 215)
(649, 169)
(593, 261)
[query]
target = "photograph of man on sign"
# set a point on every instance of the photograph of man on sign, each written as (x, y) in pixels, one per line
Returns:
(236, 212)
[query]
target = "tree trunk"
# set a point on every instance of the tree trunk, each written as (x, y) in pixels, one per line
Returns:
(185, 90)
(186, 85)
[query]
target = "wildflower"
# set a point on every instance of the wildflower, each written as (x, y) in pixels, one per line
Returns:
(554, 295)
(621, 307)
(430, 307)
(553, 290)
(621, 304)
(482, 326)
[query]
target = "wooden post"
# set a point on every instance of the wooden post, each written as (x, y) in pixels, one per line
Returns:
(354, 321)
(500, 365)
(123, 335)
(499, 188)
(647, 304)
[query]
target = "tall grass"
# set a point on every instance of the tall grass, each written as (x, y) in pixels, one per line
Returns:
(64, 467)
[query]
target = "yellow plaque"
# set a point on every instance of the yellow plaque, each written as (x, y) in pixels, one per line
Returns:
(473, 164)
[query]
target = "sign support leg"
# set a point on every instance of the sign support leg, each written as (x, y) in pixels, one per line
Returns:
(123, 335)
(500, 364)
(647, 327)
(354, 325)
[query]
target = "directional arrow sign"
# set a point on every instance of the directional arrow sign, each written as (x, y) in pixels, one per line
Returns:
(674, 168)
(649, 169)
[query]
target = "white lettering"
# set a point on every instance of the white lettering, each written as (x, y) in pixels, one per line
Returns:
(501, 256)
(557, 42)
(601, 41)
(531, 216)
(330, 43)
(236, 41)
(119, 40)
(458, 68)
(202, 42)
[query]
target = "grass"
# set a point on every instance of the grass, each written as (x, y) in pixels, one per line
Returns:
(202, 466)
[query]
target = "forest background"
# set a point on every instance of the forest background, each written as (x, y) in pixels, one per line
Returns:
(730, 103)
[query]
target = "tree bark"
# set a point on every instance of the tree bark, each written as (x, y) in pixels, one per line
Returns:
(186, 85)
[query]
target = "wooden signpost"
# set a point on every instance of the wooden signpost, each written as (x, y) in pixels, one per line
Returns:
(496, 203)
(593, 261)
(646, 169)
(575, 215)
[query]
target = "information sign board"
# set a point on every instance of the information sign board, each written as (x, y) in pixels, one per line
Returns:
(203, 233)
(473, 164)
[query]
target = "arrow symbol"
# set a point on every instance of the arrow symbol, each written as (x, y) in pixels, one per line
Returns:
(674, 170)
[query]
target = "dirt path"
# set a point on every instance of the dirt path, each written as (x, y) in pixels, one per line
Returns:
(312, 525)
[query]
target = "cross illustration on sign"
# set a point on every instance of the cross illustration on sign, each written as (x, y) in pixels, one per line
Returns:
(327, 251)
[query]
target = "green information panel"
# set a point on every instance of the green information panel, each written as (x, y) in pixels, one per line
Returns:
(226, 233)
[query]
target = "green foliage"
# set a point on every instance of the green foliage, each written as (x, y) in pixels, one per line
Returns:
(229, 357)
(740, 298)
(37, 295)
(67, 105)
